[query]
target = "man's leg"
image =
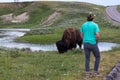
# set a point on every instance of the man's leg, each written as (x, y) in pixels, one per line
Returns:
(96, 53)
(87, 57)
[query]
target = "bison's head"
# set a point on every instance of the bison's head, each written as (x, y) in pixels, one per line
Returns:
(61, 46)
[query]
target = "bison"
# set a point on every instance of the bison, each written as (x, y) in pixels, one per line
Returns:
(70, 39)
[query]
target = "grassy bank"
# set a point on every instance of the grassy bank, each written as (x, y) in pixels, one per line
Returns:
(17, 65)
(42, 36)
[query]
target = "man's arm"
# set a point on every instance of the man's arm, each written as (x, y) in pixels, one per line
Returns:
(97, 36)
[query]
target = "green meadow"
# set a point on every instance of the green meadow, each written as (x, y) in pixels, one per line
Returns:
(20, 65)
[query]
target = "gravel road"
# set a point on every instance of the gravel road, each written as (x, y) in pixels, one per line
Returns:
(113, 13)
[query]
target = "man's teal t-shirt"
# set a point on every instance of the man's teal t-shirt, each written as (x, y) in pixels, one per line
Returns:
(89, 29)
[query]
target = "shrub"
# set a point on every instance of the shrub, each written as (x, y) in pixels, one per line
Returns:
(14, 53)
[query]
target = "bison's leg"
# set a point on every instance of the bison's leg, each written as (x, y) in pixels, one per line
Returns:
(78, 39)
(79, 43)
(73, 45)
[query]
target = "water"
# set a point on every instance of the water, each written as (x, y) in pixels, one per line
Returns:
(10, 34)
(106, 46)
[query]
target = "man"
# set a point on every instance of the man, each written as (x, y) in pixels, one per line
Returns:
(90, 35)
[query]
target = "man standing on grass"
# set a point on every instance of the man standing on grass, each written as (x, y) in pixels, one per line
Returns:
(90, 35)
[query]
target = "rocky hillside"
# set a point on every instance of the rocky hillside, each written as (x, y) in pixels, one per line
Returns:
(46, 14)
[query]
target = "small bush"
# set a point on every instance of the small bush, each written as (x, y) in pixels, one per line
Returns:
(14, 53)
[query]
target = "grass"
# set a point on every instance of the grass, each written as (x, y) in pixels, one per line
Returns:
(42, 36)
(43, 39)
(51, 65)
(112, 34)
(118, 8)
(40, 66)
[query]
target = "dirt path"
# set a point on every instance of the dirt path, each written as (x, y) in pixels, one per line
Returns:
(113, 13)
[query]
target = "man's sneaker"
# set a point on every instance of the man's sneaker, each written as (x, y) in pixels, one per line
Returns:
(88, 74)
(96, 74)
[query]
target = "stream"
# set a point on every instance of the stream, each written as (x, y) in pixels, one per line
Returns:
(7, 37)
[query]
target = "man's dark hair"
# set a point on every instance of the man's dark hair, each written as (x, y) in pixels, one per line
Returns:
(90, 17)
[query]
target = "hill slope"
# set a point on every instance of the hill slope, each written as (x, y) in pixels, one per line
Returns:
(46, 13)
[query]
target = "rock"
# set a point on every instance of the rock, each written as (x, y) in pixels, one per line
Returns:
(11, 18)
(114, 74)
